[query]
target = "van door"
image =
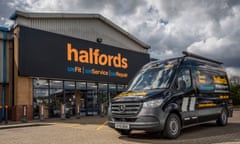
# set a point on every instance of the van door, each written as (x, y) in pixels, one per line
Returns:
(208, 105)
(187, 98)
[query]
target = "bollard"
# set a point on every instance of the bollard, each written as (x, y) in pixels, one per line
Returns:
(24, 113)
(6, 114)
(62, 111)
(41, 112)
(0, 114)
(102, 110)
(78, 111)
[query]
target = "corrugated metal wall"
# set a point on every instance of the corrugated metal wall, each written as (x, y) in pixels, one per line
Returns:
(2, 61)
(85, 28)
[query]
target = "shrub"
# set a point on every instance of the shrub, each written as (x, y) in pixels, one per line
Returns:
(235, 94)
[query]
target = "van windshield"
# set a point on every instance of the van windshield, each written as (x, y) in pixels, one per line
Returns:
(153, 77)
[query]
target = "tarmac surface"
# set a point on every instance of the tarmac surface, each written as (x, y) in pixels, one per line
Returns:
(94, 130)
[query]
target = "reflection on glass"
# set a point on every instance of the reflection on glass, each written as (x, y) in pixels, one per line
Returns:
(102, 86)
(154, 77)
(103, 98)
(120, 88)
(70, 85)
(56, 84)
(112, 87)
(39, 83)
(81, 85)
(112, 90)
(40, 97)
(91, 86)
(56, 98)
(40, 93)
(91, 99)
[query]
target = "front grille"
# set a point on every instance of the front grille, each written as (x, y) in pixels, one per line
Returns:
(126, 108)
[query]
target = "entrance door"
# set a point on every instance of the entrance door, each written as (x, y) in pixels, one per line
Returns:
(92, 107)
(103, 98)
(91, 103)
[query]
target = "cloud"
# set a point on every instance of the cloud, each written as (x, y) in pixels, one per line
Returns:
(233, 71)
(209, 28)
(223, 41)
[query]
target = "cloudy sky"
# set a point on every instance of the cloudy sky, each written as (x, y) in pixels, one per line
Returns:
(209, 28)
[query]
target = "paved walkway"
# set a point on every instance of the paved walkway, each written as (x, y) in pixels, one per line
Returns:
(93, 130)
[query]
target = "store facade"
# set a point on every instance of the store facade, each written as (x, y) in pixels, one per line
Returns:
(76, 60)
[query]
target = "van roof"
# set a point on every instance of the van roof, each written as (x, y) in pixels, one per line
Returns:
(188, 54)
(188, 57)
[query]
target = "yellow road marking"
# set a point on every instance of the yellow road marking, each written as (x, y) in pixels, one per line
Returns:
(101, 126)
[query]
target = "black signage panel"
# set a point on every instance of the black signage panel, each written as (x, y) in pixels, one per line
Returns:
(50, 55)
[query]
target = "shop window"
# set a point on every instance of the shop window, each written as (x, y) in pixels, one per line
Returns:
(56, 98)
(40, 96)
(69, 85)
(80, 85)
(103, 97)
(112, 90)
(40, 83)
(70, 98)
(91, 99)
(56, 84)
(120, 88)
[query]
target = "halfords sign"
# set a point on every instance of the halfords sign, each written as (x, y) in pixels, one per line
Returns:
(50, 55)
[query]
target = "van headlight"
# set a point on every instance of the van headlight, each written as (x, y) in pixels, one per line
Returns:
(153, 103)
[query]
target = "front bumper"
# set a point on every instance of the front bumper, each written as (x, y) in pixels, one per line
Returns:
(147, 123)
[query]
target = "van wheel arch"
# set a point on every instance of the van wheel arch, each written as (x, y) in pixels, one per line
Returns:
(173, 126)
(223, 118)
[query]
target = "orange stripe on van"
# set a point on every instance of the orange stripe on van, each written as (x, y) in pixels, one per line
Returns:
(207, 105)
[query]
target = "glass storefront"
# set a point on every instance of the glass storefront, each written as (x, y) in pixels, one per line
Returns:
(90, 98)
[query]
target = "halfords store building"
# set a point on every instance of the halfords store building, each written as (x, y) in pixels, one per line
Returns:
(51, 60)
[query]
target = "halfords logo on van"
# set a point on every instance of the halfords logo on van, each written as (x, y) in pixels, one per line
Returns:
(93, 56)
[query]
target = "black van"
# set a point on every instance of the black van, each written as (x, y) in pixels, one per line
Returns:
(167, 96)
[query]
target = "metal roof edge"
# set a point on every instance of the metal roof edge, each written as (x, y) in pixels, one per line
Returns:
(104, 19)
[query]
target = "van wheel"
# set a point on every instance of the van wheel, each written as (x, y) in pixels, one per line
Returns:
(172, 127)
(223, 118)
(124, 132)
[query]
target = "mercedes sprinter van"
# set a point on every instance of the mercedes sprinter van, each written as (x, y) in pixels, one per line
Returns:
(167, 96)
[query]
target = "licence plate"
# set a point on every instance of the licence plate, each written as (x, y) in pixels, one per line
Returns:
(122, 126)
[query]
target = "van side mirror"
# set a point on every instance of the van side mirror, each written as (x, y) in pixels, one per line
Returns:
(181, 85)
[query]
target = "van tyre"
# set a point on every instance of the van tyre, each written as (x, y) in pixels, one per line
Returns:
(223, 118)
(124, 132)
(172, 127)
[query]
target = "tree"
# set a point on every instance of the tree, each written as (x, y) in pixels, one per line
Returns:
(235, 93)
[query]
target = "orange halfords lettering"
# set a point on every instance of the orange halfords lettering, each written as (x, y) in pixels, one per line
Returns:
(93, 56)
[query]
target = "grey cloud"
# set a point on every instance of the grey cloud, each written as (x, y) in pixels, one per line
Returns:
(233, 2)
(127, 7)
(199, 26)
(5, 11)
(119, 7)
(224, 49)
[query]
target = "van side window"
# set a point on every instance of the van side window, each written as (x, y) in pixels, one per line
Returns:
(211, 81)
(184, 79)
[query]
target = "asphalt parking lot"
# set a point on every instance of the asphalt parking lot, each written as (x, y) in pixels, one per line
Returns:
(93, 130)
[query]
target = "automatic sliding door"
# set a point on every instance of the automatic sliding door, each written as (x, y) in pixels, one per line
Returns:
(92, 107)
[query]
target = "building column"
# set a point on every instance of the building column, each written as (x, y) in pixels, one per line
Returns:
(23, 87)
